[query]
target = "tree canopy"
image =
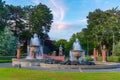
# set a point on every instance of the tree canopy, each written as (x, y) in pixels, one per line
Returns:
(25, 21)
(8, 43)
(40, 19)
(103, 28)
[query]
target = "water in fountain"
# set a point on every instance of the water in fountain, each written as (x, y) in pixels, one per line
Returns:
(35, 41)
(76, 45)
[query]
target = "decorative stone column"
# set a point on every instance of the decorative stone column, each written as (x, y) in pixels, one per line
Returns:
(95, 54)
(104, 54)
(18, 52)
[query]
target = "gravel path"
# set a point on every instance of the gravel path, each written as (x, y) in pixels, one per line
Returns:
(9, 65)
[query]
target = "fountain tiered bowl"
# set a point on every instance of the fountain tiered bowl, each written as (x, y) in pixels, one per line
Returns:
(76, 54)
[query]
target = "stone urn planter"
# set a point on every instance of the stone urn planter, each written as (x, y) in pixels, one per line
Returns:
(77, 54)
(34, 50)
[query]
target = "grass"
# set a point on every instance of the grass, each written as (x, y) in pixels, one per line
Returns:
(25, 74)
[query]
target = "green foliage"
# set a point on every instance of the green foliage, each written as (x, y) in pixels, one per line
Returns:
(113, 59)
(23, 22)
(110, 58)
(89, 58)
(8, 43)
(99, 58)
(40, 17)
(102, 25)
(7, 59)
(63, 43)
(3, 15)
(117, 49)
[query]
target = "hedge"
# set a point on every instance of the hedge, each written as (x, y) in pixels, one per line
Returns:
(110, 58)
(6, 59)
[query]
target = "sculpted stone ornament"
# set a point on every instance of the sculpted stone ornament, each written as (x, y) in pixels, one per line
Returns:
(60, 50)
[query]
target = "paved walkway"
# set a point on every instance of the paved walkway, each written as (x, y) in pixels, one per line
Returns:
(6, 65)
(9, 65)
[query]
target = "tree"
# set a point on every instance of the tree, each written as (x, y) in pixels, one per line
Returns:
(63, 43)
(17, 21)
(8, 43)
(103, 26)
(117, 49)
(3, 15)
(40, 19)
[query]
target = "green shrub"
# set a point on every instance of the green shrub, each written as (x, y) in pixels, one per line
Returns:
(113, 59)
(5, 61)
(99, 58)
(110, 58)
(89, 58)
(6, 57)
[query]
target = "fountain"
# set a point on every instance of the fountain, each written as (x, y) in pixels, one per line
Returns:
(76, 60)
(34, 50)
(77, 51)
(34, 54)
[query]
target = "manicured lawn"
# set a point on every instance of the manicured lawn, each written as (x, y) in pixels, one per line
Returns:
(24, 74)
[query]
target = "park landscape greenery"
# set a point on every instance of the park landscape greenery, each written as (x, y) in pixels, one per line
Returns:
(103, 28)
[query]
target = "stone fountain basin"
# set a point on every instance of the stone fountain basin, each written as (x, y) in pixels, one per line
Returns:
(77, 53)
(40, 62)
(26, 62)
(34, 47)
(97, 66)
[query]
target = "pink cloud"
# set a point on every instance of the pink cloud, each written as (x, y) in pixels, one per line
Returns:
(58, 26)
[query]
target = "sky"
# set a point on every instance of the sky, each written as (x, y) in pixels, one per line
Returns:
(69, 15)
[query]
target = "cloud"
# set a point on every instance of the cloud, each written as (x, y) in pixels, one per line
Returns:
(61, 28)
(76, 25)
(58, 9)
(36, 1)
(82, 21)
(65, 30)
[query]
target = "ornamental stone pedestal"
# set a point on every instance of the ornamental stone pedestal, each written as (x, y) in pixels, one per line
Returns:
(104, 54)
(95, 53)
(18, 53)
